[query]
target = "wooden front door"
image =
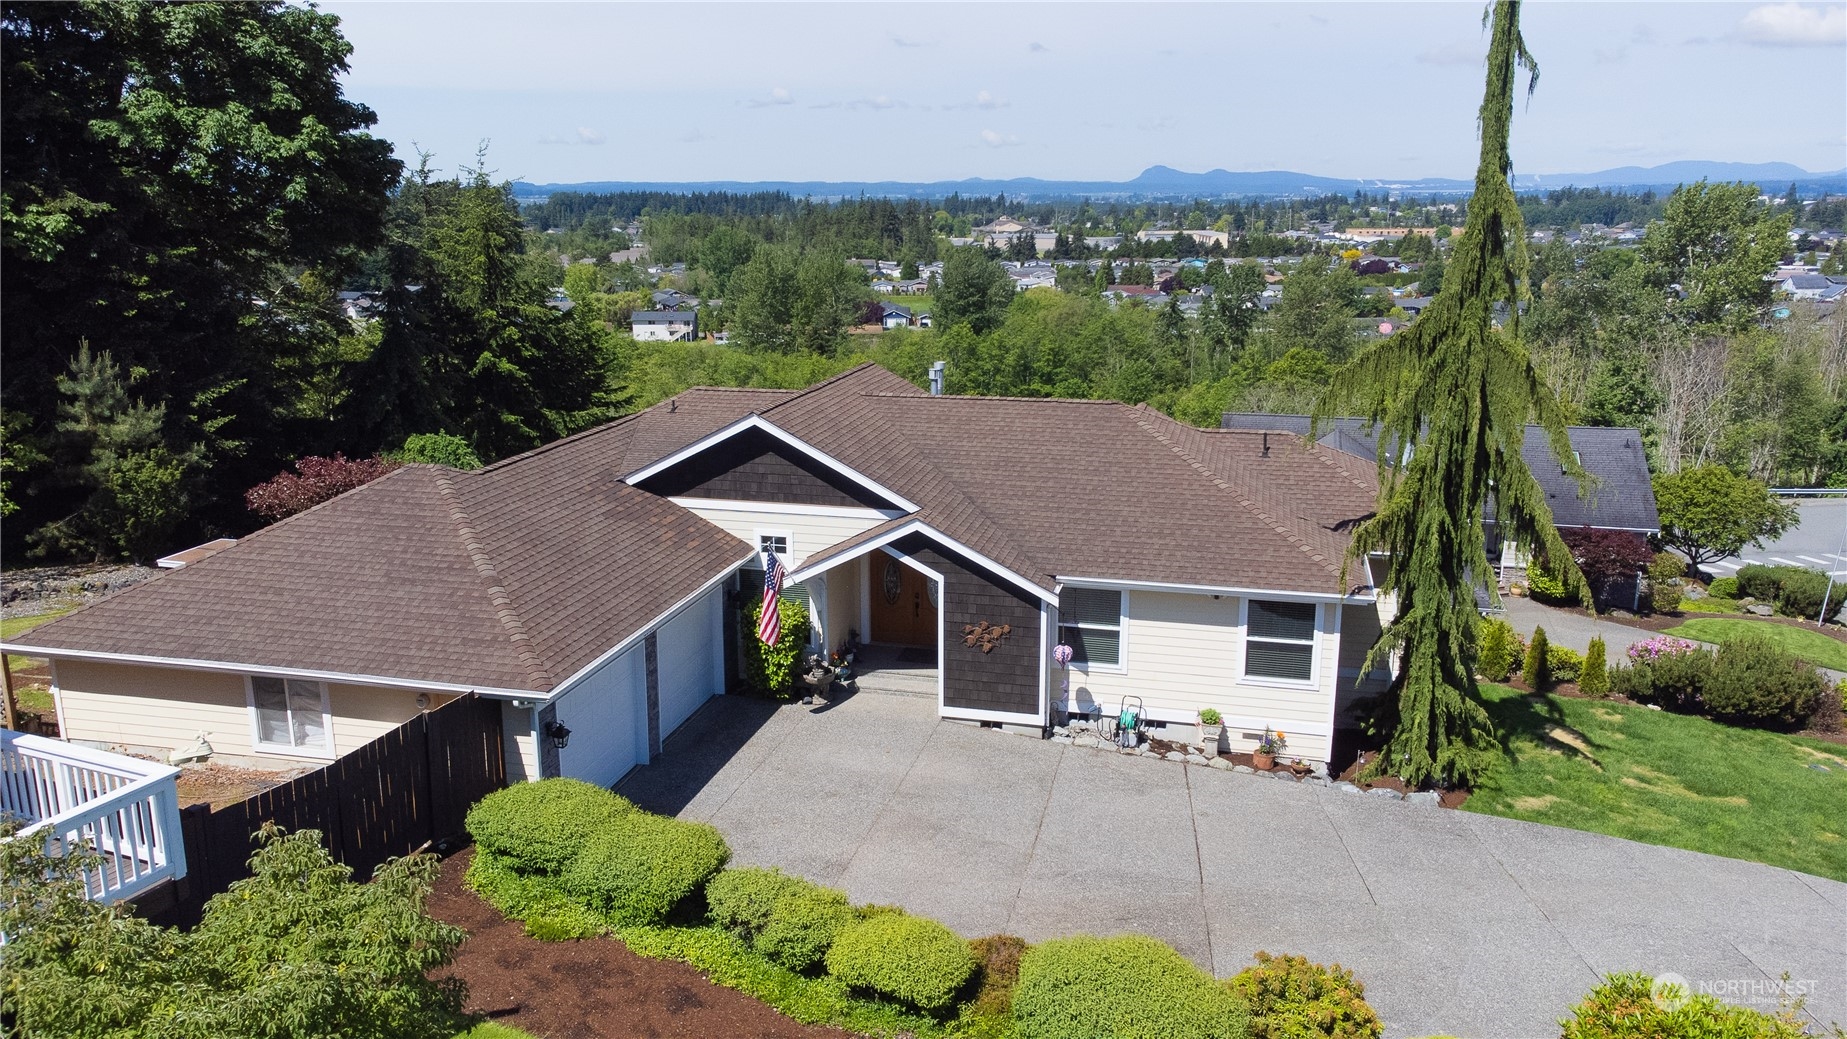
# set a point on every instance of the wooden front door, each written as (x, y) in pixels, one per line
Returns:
(902, 612)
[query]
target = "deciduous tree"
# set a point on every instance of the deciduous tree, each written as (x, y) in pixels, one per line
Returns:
(1709, 512)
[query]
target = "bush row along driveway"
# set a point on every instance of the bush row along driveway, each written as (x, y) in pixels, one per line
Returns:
(1458, 923)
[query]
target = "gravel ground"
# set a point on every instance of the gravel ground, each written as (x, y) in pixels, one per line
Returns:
(28, 593)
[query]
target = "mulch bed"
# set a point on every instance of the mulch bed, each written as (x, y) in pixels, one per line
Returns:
(1446, 798)
(590, 989)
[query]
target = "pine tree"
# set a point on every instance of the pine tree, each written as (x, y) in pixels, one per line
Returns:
(1536, 671)
(1594, 678)
(1455, 391)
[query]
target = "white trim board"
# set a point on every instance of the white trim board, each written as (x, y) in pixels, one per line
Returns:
(1202, 589)
(786, 508)
(827, 561)
(758, 422)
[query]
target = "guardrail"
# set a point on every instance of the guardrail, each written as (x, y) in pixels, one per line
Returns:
(1808, 492)
(123, 810)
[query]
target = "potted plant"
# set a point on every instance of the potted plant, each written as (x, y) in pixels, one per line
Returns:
(1264, 757)
(1211, 724)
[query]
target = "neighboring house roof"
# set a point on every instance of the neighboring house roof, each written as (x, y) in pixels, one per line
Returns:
(496, 579)
(1621, 496)
(661, 317)
(1806, 281)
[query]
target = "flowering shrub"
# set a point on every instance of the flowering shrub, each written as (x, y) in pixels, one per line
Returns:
(1651, 650)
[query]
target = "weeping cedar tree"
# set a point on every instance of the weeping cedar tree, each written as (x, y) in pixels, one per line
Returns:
(1457, 392)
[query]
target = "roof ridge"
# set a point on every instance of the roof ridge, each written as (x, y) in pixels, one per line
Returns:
(985, 396)
(1313, 449)
(796, 395)
(502, 602)
(1140, 413)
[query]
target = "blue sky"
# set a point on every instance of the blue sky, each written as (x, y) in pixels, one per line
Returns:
(933, 91)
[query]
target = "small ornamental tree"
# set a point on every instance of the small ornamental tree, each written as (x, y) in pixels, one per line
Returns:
(315, 480)
(1537, 671)
(1710, 512)
(1608, 556)
(772, 669)
(1594, 676)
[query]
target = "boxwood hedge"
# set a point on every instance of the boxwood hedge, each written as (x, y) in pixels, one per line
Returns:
(641, 866)
(1128, 987)
(541, 826)
(906, 958)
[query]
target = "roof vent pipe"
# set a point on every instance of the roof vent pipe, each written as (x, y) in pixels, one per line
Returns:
(1266, 443)
(936, 378)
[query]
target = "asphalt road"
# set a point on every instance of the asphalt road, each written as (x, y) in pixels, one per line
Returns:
(1818, 542)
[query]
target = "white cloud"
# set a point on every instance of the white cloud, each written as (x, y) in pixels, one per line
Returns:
(1794, 25)
(585, 135)
(902, 42)
(778, 96)
(1038, 48)
(995, 139)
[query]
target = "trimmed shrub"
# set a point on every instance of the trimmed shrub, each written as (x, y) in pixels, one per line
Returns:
(1626, 1006)
(639, 869)
(1757, 581)
(540, 826)
(1635, 682)
(1291, 998)
(998, 962)
(803, 925)
(1594, 675)
(906, 958)
(741, 899)
(771, 669)
(1128, 987)
(1664, 576)
(1536, 671)
(1723, 588)
(1547, 588)
(1500, 650)
(1803, 592)
(1676, 671)
(1755, 682)
(1563, 664)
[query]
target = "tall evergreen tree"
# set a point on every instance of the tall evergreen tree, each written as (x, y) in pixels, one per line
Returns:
(1456, 390)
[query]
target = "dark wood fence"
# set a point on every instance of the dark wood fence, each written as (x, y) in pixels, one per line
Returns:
(408, 788)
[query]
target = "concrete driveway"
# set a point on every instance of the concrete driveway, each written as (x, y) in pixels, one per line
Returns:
(1459, 924)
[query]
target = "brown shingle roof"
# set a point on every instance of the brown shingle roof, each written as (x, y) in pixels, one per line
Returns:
(512, 577)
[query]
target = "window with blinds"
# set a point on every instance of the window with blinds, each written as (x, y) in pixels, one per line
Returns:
(1090, 622)
(290, 714)
(1280, 641)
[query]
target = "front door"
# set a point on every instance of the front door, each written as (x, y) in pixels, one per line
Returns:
(902, 611)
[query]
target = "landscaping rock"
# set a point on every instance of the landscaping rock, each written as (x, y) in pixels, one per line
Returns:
(1759, 609)
(1221, 764)
(1425, 797)
(1061, 739)
(1246, 769)
(1083, 741)
(1316, 781)
(1196, 759)
(1693, 593)
(1387, 793)
(1622, 615)
(1348, 788)
(1174, 755)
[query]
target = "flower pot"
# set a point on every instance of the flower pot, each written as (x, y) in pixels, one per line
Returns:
(1209, 739)
(1263, 761)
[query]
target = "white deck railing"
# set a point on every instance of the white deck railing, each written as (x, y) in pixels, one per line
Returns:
(124, 810)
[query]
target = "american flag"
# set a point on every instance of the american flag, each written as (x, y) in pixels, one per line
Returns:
(769, 625)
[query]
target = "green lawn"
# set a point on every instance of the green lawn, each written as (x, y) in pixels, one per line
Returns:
(1811, 646)
(1668, 779)
(494, 1030)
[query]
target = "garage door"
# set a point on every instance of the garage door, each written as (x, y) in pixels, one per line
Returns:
(607, 714)
(691, 658)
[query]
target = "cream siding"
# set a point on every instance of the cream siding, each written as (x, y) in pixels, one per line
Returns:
(159, 709)
(809, 532)
(845, 603)
(1183, 653)
(517, 745)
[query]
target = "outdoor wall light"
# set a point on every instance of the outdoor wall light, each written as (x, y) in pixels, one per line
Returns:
(558, 734)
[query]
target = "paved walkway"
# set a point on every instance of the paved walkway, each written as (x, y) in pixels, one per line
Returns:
(1565, 628)
(1459, 924)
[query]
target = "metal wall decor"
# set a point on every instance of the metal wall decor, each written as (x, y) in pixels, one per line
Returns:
(893, 583)
(985, 636)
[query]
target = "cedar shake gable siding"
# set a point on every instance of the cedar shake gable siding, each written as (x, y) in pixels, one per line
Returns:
(1006, 679)
(752, 465)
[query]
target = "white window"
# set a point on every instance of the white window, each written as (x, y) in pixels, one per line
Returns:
(1280, 640)
(1090, 622)
(777, 541)
(289, 715)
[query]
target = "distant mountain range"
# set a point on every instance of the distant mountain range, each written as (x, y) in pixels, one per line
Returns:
(1166, 182)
